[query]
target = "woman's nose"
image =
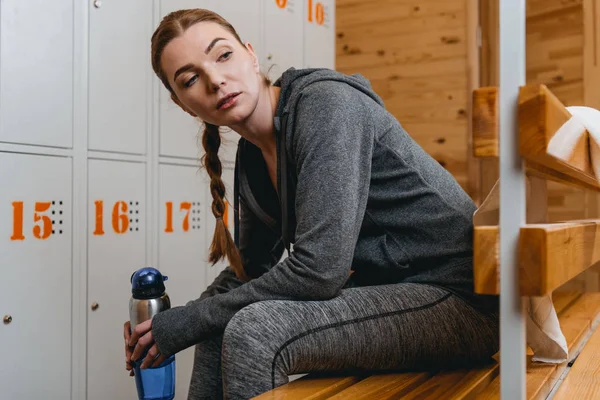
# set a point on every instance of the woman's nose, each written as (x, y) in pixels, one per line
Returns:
(214, 81)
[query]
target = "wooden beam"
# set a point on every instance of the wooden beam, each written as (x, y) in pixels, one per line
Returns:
(549, 255)
(541, 115)
(485, 122)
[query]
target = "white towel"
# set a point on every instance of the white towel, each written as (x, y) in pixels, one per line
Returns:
(544, 334)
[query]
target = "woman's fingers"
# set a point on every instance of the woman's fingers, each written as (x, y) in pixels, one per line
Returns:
(150, 358)
(141, 345)
(128, 349)
(159, 360)
(139, 331)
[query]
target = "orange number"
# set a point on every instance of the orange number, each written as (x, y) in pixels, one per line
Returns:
(120, 222)
(45, 230)
(17, 221)
(320, 13)
(186, 205)
(169, 227)
(99, 218)
(310, 16)
(281, 3)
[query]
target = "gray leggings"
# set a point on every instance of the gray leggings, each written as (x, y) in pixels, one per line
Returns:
(388, 327)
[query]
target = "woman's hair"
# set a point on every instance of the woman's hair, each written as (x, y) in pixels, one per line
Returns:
(172, 26)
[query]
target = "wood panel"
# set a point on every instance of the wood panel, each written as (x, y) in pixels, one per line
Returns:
(549, 255)
(416, 54)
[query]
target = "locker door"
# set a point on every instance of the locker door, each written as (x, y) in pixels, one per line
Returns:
(283, 50)
(116, 248)
(179, 132)
(183, 249)
(36, 72)
(319, 34)
(119, 86)
(35, 300)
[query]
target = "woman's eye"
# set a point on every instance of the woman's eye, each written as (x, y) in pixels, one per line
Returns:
(225, 55)
(189, 82)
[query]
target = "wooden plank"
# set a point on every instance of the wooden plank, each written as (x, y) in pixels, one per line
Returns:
(380, 387)
(485, 122)
(460, 384)
(583, 380)
(310, 388)
(550, 255)
(575, 320)
(541, 115)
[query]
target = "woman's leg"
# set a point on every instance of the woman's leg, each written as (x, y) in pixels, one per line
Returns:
(399, 326)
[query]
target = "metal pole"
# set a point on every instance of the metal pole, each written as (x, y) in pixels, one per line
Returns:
(512, 200)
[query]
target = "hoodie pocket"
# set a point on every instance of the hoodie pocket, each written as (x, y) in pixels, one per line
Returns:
(394, 253)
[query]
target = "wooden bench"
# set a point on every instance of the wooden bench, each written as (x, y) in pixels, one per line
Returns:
(550, 256)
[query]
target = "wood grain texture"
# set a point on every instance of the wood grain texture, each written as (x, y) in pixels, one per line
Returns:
(418, 57)
(549, 255)
(583, 380)
(380, 387)
(576, 322)
(485, 122)
(312, 388)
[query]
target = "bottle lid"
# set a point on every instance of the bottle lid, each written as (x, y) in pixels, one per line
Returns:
(147, 283)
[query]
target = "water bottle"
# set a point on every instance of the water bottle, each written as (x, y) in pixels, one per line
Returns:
(148, 299)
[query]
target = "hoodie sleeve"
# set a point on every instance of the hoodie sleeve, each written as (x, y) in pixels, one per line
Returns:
(332, 145)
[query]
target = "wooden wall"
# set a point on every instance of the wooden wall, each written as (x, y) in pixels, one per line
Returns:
(416, 55)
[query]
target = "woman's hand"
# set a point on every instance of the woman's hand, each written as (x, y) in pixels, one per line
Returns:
(128, 349)
(141, 338)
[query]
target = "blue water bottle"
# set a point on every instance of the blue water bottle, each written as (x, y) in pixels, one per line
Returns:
(148, 299)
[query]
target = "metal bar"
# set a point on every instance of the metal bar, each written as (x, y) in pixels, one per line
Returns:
(512, 199)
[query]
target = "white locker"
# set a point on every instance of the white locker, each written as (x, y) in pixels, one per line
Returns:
(120, 67)
(183, 250)
(179, 133)
(319, 34)
(116, 248)
(283, 50)
(35, 300)
(36, 72)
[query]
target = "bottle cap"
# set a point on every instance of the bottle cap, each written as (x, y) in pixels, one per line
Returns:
(147, 283)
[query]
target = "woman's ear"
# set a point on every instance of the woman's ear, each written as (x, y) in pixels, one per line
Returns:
(254, 57)
(184, 108)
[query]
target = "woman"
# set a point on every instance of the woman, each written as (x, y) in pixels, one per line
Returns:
(380, 276)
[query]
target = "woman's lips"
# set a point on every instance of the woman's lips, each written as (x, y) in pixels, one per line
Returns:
(227, 101)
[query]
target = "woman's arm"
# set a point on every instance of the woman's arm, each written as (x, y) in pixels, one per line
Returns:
(333, 143)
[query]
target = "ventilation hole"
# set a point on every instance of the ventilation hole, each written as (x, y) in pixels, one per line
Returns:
(130, 229)
(137, 229)
(52, 222)
(53, 212)
(137, 220)
(130, 220)
(53, 202)
(60, 212)
(53, 231)
(137, 212)
(60, 222)
(60, 203)
(137, 203)
(60, 232)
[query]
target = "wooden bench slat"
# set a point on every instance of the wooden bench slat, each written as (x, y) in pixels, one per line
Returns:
(549, 254)
(456, 384)
(380, 387)
(583, 380)
(313, 388)
(576, 321)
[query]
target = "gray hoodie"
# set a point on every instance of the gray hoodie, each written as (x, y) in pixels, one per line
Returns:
(356, 193)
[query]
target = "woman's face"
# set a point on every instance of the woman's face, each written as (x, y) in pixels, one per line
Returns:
(213, 76)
